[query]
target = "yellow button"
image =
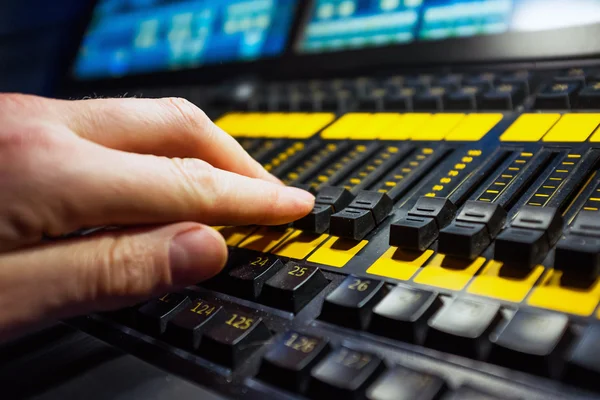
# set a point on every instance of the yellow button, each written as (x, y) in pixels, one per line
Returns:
(437, 127)
(304, 125)
(552, 295)
(379, 125)
(573, 128)
(449, 273)
(529, 128)
(399, 264)
(596, 136)
(337, 252)
(234, 235)
(265, 239)
(406, 126)
(474, 127)
(346, 126)
(299, 245)
(498, 283)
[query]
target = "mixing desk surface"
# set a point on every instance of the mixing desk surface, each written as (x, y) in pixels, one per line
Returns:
(454, 248)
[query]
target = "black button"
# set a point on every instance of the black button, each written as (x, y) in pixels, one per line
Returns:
(573, 75)
(402, 383)
(345, 373)
(432, 99)
(421, 226)
(420, 82)
(352, 223)
(531, 341)
(589, 97)
(587, 223)
(247, 280)
(465, 98)
(504, 97)
(317, 220)
(401, 314)
(293, 287)
(374, 101)
(450, 81)
(556, 96)
(462, 327)
(469, 393)
(154, 316)
(532, 233)
(583, 361)
(231, 337)
(578, 255)
(328, 201)
(464, 240)
(351, 303)
(401, 100)
(288, 363)
(485, 80)
(521, 78)
(475, 227)
(365, 212)
(186, 328)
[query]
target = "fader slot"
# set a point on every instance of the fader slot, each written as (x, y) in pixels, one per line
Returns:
(316, 163)
(419, 228)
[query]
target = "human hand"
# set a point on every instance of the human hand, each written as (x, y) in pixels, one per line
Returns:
(159, 164)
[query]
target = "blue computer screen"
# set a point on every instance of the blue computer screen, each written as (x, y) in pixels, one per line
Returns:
(353, 24)
(128, 37)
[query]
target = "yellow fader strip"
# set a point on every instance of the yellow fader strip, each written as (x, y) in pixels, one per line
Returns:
(437, 127)
(573, 128)
(274, 125)
(406, 126)
(265, 239)
(554, 295)
(399, 264)
(449, 273)
(337, 252)
(474, 127)
(347, 125)
(529, 127)
(509, 285)
(234, 235)
(299, 245)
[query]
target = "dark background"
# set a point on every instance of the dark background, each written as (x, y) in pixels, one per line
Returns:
(35, 38)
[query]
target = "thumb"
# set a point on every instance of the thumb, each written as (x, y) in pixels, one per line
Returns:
(103, 272)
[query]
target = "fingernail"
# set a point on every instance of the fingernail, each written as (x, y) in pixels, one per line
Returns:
(196, 256)
(299, 195)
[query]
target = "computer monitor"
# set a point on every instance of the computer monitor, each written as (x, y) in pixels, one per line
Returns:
(129, 37)
(357, 24)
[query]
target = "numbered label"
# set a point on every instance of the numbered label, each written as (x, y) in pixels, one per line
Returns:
(240, 322)
(353, 359)
(359, 285)
(298, 271)
(202, 308)
(301, 343)
(260, 261)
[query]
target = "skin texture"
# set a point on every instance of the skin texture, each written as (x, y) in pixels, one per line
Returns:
(160, 168)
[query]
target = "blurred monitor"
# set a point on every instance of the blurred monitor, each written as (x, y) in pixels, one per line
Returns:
(127, 37)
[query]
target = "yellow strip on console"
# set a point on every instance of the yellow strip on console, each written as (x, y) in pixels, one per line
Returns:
(346, 126)
(573, 128)
(299, 245)
(274, 125)
(437, 127)
(304, 125)
(474, 127)
(596, 136)
(265, 239)
(336, 252)
(554, 295)
(448, 272)
(529, 127)
(234, 235)
(378, 126)
(406, 126)
(504, 283)
(399, 264)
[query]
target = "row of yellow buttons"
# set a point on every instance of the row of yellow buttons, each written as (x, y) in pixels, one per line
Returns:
(480, 277)
(274, 125)
(412, 126)
(452, 274)
(554, 128)
(294, 244)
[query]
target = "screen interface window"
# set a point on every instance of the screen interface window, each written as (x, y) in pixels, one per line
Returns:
(354, 24)
(140, 36)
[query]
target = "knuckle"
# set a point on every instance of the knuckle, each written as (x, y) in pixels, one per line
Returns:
(191, 118)
(128, 268)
